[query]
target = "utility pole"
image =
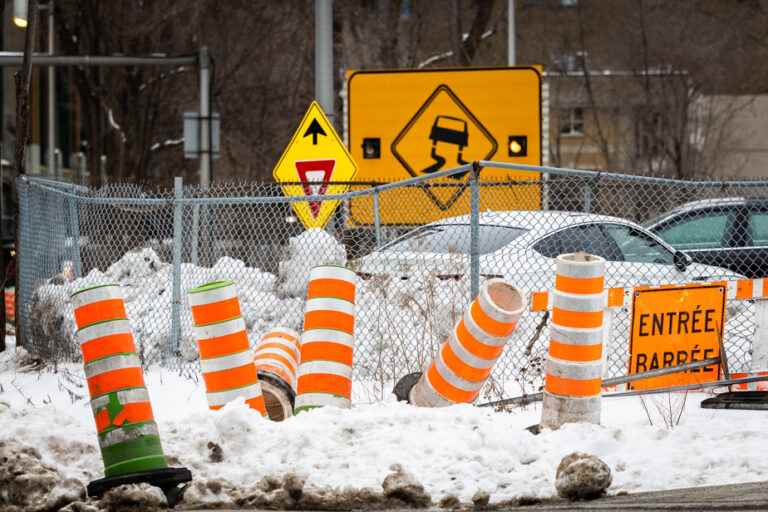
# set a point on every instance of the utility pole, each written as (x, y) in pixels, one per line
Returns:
(324, 57)
(511, 59)
(53, 170)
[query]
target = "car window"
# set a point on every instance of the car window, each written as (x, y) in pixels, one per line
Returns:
(758, 226)
(701, 232)
(638, 247)
(454, 238)
(587, 237)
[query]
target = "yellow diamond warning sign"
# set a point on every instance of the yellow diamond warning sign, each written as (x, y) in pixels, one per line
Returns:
(443, 134)
(312, 164)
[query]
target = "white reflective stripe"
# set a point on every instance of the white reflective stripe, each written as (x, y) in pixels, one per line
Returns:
(266, 352)
(580, 269)
(326, 367)
(333, 272)
(271, 366)
(206, 332)
(211, 296)
(111, 363)
(329, 336)
(757, 288)
(126, 396)
(479, 334)
(291, 348)
(217, 364)
(578, 371)
(573, 336)
(97, 294)
(224, 397)
(493, 310)
(329, 304)
(321, 400)
(123, 434)
(282, 330)
(453, 379)
(465, 355)
(730, 288)
(100, 330)
(579, 303)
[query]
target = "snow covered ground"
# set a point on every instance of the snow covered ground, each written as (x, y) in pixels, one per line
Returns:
(452, 451)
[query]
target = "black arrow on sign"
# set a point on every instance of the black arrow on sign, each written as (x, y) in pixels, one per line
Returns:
(314, 130)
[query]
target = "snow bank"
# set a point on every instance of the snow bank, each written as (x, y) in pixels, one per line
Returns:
(455, 451)
(311, 248)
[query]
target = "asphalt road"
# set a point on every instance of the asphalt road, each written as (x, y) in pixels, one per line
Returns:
(753, 496)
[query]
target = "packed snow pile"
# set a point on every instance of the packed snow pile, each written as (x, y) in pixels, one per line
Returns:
(400, 323)
(330, 457)
(311, 248)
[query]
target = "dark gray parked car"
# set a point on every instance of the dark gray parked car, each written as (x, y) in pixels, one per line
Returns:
(729, 232)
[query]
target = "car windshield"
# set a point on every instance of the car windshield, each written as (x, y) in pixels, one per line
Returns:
(454, 239)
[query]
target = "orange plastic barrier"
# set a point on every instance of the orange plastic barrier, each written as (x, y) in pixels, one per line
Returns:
(325, 372)
(574, 366)
(226, 360)
(466, 359)
(128, 435)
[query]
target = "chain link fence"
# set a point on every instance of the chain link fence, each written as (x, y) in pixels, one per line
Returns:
(420, 247)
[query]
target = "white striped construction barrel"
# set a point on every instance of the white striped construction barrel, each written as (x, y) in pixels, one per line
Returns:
(574, 366)
(226, 360)
(325, 371)
(128, 435)
(464, 362)
(277, 360)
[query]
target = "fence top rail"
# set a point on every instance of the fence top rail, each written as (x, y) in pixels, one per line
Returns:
(78, 191)
(596, 175)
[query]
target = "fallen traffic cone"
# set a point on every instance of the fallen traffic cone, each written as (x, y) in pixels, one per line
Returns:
(277, 361)
(464, 362)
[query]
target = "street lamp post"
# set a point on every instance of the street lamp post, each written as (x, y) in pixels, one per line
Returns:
(20, 12)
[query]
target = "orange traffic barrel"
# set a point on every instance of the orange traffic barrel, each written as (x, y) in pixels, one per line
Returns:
(325, 371)
(128, 435)
(277, 356)
(466, 359)
(226, 360)
(574, 368)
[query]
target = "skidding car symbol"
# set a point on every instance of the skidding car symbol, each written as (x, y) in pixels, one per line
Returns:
(450, 130)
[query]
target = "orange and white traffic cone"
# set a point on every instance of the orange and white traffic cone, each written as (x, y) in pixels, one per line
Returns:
(226, 359)
(325, 371)
(277, 357)
(464, 362)
(574, 368)
(128, 435)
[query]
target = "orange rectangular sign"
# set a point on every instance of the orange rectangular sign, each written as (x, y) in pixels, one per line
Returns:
(675, 326)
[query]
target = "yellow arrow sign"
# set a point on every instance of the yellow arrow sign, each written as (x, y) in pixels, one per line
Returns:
(312, 164)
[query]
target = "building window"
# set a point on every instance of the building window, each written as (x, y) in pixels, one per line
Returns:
(572, 121)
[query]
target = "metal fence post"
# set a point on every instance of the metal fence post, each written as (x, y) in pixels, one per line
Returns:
(178, 193)
(24, 262)
(474, 230)
(377, 217)
(587, 190)
(74, 228)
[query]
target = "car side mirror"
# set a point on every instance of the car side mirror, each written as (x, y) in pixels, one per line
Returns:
(681, 260)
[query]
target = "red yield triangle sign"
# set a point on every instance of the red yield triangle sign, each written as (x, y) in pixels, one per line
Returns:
(314, 176)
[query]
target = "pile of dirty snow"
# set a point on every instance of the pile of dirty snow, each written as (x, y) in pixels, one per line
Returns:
(456, 453)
